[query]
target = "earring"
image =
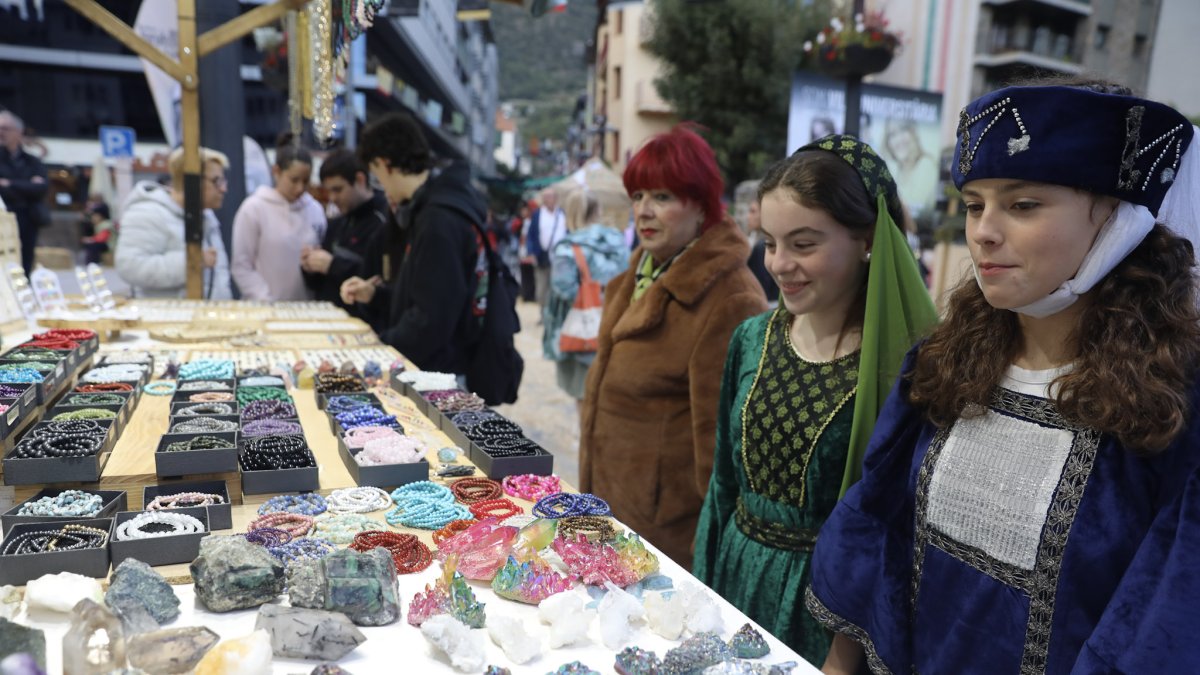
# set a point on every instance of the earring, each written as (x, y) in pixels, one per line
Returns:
(867, 257)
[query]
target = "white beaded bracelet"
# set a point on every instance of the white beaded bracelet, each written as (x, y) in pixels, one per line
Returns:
(180, 523)
(358, 500)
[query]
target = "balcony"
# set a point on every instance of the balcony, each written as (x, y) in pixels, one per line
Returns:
(1042, 45)
(1080, 7)
(647, 101)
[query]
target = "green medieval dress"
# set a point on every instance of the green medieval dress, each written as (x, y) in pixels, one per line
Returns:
(783, 429)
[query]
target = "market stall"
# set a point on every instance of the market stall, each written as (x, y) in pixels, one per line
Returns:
(147, 454)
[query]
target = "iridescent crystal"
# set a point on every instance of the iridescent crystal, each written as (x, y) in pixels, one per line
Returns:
(742, 667)
(450, 595)
(749, 643)
(536, 536)
(481, 549)
(530, 580)
(573, 668)
(637, 661)
(623, 562)
(696, 653)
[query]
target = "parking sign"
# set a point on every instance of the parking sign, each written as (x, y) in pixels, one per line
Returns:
(117, 142)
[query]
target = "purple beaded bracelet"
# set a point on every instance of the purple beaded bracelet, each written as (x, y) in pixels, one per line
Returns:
(271, 427)
(268, 409)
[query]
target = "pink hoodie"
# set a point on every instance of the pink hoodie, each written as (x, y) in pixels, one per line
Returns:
(268, 235)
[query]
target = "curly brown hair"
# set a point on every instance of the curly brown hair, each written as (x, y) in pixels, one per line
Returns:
(1137, 341)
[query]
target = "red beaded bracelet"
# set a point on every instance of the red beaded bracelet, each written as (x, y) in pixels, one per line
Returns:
(409, 554)
(474, 490)
(452, 528)
(495, 508)
(108, 386)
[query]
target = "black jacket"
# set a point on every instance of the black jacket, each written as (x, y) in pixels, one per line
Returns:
(356, 241)
(24, 197)
(427, 301)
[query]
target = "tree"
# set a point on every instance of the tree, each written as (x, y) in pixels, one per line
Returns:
(727, 64)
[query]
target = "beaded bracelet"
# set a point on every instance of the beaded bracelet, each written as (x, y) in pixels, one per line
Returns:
(426, 515)
(211, 397)
(247, 394)
(295, 524)
(70, 427)
(312, 549)
(467, 419)
(409, 554)
(494, 508)
(201, 409)
(387, 451)
(472, 490)
(593, 528)
(18, 374)
(565, 504)
(307, 503)
(10, 391)
(39, 366)
(207, 369)
(268, 536)
(345, 403)
(57, 445)
(53, 343)
(118, 372)
(358, 500)
(104, 386)
(94, 399)
(422, 490)
(366, 416)
(508, 447)
(271, 427)
(530, 486)
(77, 334)
(69, 537)
(178, 523)
(452, 528)
(203, 425)
(268, 409)
(427, 380)
(34, 354)
(261, 381)
(68, 503)
(340, 528)
(276, 452)
(183, 499)
(86, 414)
(497, 427)
(334, 383)
(199, 443)
(454, 400)
(159, 388)
(358, 437)
(200, 385)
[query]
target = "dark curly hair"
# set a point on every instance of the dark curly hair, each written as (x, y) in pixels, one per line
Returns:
(397, 139)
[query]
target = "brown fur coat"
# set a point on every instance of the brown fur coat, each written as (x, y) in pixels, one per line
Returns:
(650, 405)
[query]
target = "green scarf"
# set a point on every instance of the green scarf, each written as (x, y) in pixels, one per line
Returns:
(898, 308)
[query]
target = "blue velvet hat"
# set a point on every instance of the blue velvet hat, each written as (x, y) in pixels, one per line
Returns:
(1123, 146)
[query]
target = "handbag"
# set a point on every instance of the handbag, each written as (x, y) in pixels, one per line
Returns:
(581, 327)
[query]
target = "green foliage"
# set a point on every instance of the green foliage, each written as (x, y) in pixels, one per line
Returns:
(728, 66)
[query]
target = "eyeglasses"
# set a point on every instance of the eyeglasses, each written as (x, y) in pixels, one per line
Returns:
(218, 181)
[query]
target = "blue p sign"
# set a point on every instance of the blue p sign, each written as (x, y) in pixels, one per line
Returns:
(117, 142)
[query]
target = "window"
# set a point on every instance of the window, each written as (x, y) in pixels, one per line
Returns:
(1139, 46)
(616, 146)
(616, 83)
(1101, 39)
(618, 23)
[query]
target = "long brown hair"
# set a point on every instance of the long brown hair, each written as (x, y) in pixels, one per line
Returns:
(1137, 344)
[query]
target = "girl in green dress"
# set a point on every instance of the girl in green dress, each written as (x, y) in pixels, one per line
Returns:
(803, 383)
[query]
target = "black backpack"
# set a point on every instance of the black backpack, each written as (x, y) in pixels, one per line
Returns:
(494, 367)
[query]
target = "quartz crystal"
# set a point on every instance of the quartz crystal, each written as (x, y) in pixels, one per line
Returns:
(170, 650)
(703, 614)
(308, 633)
(665, 614)
(10, 601)
(568, 618)
(360, 585)
(748, 643)
(232, 573)
(247, 655)
(329, 669)
(624, 561)
(61, 592)
(510, 635)
(452, 595)
(135, 619)
(16, 639)
(481, 549)
(94, 643)
(742, 667)
(536, 536)
(529, 580)
(460, 643)
(133, 581)
(618, 610)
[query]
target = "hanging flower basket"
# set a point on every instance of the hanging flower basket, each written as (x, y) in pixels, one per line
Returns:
(855, 48)
(853, 60)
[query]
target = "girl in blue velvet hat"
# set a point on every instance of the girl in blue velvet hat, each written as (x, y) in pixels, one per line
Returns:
(1030, 498)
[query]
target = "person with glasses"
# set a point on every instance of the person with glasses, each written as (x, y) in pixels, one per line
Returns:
(151, 255)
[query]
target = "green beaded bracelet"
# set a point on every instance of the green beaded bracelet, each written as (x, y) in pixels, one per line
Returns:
(199, 443)
(159, 388)
(86, 414)
(94, 399)
(247, 394)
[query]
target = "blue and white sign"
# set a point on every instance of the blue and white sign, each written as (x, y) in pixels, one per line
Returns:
(117, 142)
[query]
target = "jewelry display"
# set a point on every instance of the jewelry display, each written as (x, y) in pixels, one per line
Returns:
(531, 487)
(335, 383)
(366, 416)
(454, 400)
(452, 528)
(268, 536)
(271, 427)
(34, 354)
(69, 427)
(86, 414)
(68, 503)
(246, 395)
(102, 387)
(40, 366)
(18, 374)
(206, 369)
(276, 452)
(410, 554)
(508, 447)
(497, 427)
(425, 506)
(183, 499)
(498, 509)
(340, 528)
(199, 443)
(472, 490)
(591, 528)
(93, 399)
(159, 388)
(200, 385)
(358, 437)
(153, 524)
(358, 500)
(261, 381)
(426, 380)
(308, 503)
(211, 397)
(298, 549)
(469, 418)
(201, 409)
(203, 425)
(566, 504)
(345, 403)
(10, 391)
(295, 524)
(59, 444)
(69, 537)
(268, 409)
(118, 372)
(392, 450)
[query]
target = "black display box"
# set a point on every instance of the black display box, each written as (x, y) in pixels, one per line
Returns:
(168, 550)
(20, 412)
(52, 382)
(192, 462)
(111, 502)
(220, 516)
(271, 481)
(50, 470)
(497, 468)
(18, 570)
(173, 420)
(121, 411)
(177, 406)
(385, 476)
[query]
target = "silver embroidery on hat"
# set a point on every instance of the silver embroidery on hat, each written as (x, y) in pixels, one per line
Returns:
(1016, 144)
(1130, 177)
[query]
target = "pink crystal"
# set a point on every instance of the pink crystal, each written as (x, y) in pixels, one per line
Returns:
(530, 580)
(624, 562)
(450, 595)
(481, 548)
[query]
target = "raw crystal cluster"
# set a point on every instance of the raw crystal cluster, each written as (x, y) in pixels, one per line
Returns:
(308, 633)
(360, 585)
(618, 611)
(136, 583)
(232, 573)
(94, 643)
(748, 643)
(696, 653)
(624, 562)
(61, 592)
(529, 580)
(170, 650)
(637, 661)
(481, 549)
(461, 644)
(568, 618)
(450, 595)
(705, 653)
(509, 634)
(247, 655)
(10, 601)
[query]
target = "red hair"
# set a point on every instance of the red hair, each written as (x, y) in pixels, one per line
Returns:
(684, 163)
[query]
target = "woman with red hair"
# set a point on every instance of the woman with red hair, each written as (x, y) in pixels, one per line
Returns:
(650, 403)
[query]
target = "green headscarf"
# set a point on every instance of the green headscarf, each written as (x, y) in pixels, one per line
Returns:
(898, 308)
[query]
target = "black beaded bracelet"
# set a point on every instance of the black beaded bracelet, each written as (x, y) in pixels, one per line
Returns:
(70, 537)
(57, 445)
(59, 427)
(508, 446)
(276, 452)
(94, 399)
(334, 383)
(494, 428)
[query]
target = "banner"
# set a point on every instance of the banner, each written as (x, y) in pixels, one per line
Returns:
(158, 24)
(903, 125)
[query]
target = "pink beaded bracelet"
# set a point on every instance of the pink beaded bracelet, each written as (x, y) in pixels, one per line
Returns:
(530, 486)
(295, 524)
(390, 450)
(357, 437)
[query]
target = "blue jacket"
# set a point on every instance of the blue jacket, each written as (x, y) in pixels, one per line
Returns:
(606, 255)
